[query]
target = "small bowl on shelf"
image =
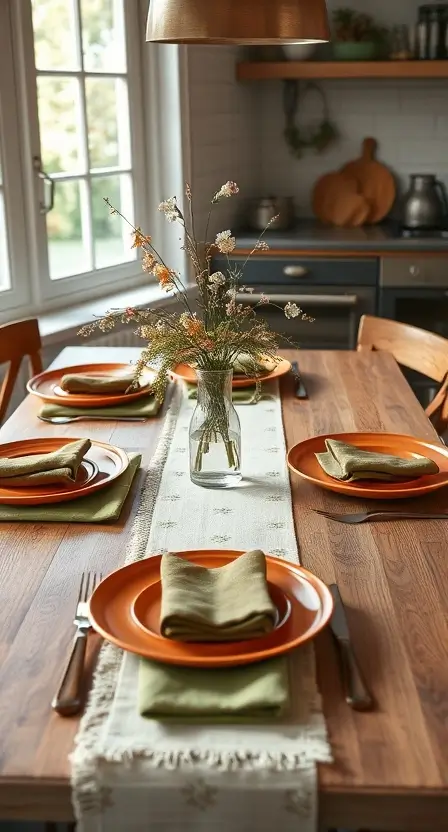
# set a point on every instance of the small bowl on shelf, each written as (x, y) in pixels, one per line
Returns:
(346, 50)
(299, 51)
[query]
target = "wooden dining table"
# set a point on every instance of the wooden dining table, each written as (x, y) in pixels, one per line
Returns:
(390, 769)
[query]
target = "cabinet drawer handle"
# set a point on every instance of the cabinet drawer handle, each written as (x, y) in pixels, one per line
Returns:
(295, 271)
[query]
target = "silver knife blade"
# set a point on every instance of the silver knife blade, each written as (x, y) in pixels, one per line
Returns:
(300, 389)
(356, 693)
(338, 621)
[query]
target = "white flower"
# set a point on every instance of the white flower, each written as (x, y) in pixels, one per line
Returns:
(169, 208)
(262, 246)
(148, 261)
(292, 310)
(225, 242)
(231, 293)
(217, 279)
(226, 190)
(264, 300)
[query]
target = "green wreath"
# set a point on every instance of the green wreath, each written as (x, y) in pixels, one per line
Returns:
(299, 140)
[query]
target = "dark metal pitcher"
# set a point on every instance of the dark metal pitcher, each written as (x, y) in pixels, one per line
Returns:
(426, 203)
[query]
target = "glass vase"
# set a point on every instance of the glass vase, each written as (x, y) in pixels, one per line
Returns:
(215, 432)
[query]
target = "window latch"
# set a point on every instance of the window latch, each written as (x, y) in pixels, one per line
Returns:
(46, 204)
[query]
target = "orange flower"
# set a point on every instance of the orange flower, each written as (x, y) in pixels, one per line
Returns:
(164, 276)
(193, 327)
(140, 239)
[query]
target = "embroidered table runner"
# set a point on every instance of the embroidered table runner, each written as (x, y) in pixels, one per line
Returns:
(138, 774)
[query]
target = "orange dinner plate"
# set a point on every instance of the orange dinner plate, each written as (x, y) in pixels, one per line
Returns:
(102, 464)
(188, 374)
(125, 609)
(302, 460)
(46, 385)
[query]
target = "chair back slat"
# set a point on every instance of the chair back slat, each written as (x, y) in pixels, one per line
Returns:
(18, 340)
(415, 349)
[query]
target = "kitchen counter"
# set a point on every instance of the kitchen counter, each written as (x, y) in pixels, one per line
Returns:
(311, 238)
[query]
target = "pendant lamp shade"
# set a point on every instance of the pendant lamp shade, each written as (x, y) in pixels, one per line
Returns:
(252, 22)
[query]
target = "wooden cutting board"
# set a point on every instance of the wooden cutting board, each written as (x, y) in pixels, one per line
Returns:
(337, 200)
(375, 181)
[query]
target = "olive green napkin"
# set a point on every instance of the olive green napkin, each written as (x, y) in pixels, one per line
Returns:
(84, 383)
(253, 692)
(60, 466)
(244, 364)
(231, 603)
(348, 463)
(103, 506)
(143, 408)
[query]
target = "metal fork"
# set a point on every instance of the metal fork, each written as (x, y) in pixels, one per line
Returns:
(65, 420)
(68, 700)
(362, 517)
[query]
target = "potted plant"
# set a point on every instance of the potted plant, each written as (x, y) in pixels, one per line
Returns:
(356, 36)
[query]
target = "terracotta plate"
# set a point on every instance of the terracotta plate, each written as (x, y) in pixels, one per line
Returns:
(302, 460)
(102, 464)
(47, 386)
(187, 373)
(124, 609)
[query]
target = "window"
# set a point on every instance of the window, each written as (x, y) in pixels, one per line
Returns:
(75, 69)
(5, 279)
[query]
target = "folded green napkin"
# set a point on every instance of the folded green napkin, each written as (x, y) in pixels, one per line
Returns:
(252, 692)
(231, 603)
(240, 395)
(60, 466)
(101, 507)
(84, 383)
(348, 463)
(145, 407)
(245, 365)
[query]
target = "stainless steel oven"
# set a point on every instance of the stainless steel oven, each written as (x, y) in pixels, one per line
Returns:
(334, 291)
(336, 311)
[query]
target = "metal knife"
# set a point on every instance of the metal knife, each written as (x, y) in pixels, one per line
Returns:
(356, 693)
(300, 391)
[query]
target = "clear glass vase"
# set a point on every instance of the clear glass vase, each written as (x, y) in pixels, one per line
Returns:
(215, 432)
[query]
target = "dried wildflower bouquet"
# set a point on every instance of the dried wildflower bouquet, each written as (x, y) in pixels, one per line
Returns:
(211, 332)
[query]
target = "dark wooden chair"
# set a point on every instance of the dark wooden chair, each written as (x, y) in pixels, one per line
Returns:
(416, 349)
(18, 340)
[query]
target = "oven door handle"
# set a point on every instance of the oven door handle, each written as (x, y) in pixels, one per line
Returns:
(314, 300)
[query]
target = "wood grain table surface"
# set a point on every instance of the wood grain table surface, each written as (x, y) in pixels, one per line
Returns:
(391, 766)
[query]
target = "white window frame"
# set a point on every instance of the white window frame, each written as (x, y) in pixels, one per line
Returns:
(47, 293)
(19, 295)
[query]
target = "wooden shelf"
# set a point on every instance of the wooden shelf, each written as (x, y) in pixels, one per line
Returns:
(264, 71)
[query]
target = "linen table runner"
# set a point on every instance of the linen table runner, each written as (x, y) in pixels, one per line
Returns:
(138, 774)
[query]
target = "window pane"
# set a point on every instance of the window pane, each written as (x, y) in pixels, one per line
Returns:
(108, 123)
(112, 236)
(5, 282)
(54, 34)
(103, 35)
(67, 229)
(59, 121)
